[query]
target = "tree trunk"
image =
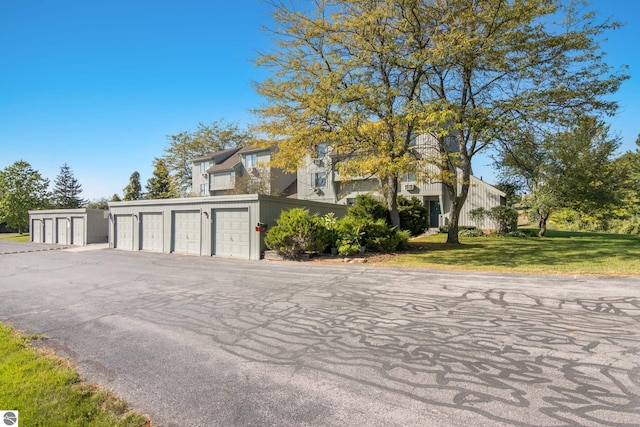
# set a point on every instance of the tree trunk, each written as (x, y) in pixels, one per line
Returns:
(452, 234)
(392, 200)
(543, 226)
(457, 199)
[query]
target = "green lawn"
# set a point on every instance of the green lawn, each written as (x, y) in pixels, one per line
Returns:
(558, 252)
(15, 237)
(46, 391)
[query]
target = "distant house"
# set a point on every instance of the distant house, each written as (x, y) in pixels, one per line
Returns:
(240, 171)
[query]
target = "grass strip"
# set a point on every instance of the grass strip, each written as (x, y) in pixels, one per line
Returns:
(15, 237)
(47, 391)
(559, 252)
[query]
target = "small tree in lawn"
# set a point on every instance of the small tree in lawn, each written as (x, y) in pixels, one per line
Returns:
(21, 189)
(133, 190)
(572, 168)
(67, 189)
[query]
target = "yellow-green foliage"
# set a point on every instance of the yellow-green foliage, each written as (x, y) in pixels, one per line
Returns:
(367, 76)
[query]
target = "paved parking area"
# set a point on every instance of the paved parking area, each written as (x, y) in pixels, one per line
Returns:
(9, 247)
(216, 342)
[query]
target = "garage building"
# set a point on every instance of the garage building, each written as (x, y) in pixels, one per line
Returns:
(78, 227)
(214, 225)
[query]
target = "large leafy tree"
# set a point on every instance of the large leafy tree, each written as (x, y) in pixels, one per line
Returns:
(21, 189)
(160, 186)
(188, 145)
(369, 75)
(133, 190)
(67, 189)
(629, 162)
(571, 169)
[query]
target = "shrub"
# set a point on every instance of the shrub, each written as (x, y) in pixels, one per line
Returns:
(380, 237)
(477, 215)
(298, 232)
(505, 218)
(374, 235)
(516, 233)
(414, 216)
(471, 232)
(631, 226)
(346, 249)
(368, 207)
(527, 232)
(349, 235)
(330, 223)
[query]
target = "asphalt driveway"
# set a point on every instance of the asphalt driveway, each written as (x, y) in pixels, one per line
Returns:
(197, 341)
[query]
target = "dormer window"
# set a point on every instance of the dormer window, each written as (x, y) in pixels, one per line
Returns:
(250, 160)
(203, 167)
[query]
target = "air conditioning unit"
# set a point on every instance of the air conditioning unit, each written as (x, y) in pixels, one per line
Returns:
(316, 190)
(317, 162)
(409, 187)
(205, 175)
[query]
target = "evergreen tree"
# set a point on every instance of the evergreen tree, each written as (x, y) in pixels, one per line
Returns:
(133, 190)
(67, 189)
(159, 186)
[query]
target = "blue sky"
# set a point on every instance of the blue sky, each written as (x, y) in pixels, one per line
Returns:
(100, 85)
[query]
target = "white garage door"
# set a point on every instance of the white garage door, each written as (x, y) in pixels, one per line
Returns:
(61, 227)
(186, 232)
(48, 230)
(77, 231)
(151, 232)
(123, 232)
(36, 231)
(231, 232)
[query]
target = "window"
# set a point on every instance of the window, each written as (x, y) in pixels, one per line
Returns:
(319, 179)
(408, 177)
(204, 189)
(250, 160)
(321, 150)
(204, 166)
